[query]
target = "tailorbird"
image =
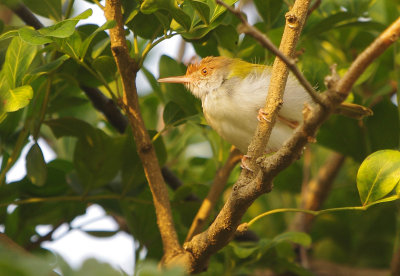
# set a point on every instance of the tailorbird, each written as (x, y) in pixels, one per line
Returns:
(233, 92)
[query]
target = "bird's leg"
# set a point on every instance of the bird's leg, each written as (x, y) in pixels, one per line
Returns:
(262, 115)
(288, 122)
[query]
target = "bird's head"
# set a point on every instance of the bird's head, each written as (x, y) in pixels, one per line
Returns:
(205, 76)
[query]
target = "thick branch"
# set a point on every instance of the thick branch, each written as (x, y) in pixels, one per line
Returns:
(106, 106)
(128, 68)
(27, 16)
(214, 194)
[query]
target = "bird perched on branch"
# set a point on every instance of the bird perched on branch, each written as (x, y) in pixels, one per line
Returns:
(233, 92)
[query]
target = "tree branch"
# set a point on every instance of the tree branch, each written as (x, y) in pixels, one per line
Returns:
(316, 191)
(251, 183)
(128, 69)
(214, 194)
(336, 93)
(26, 15)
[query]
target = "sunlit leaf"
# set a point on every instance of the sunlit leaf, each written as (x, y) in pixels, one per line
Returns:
(19, 57)
(65, 28)
(14, 99)
(33, 37)
(378, 175)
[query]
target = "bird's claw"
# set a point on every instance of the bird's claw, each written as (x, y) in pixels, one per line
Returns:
(243, 164)
(262, 115)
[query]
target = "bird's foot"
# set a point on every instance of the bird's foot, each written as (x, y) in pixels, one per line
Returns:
(262, 115)
(243, 164)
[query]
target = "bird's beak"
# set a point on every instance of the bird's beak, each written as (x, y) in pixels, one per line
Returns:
(177, 79)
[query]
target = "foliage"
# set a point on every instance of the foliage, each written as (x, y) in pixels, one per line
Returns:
(44, 78)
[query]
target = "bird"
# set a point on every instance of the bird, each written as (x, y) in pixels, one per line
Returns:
(233, 93)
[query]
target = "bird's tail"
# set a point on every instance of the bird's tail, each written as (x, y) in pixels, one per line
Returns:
(353, 110)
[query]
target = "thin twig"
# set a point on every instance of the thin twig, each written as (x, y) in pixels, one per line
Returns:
(314, 6)
(214, 193)
(267, 43)
(128, 69)
(27, 16)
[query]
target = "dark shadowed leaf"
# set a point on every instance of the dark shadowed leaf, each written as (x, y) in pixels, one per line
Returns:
(151, 6)
(269, 10)
(176, 92)
(202, 9)
(173, 114)
(47, 8)
(36, 166)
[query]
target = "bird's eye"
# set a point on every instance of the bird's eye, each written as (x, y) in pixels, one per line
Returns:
(204, 71)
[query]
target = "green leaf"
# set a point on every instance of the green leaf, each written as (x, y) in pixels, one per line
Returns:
(99, 47)
(227, 37)
(46, 8)
(97, 158)
(105, 65)
(220, 9)
(173, 114)
(33, 37)
(85, 44)
(294, 237)
(100, 234)
(70, 45)
(146, 26)
(19, 57)
(243, 252)
(330, 22)
(49, 67)
(36, 166)
(269, 10)
(151, 6)
(176, 92)
(65, 28)
(9, 34)
(383, 135)
(153, 83)
(69, 126)
(15, 99)
(378, 175)
(202, 9)
(351, 140)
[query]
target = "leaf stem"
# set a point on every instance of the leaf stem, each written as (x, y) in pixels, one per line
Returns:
(135, 45)
(151, 45)
(98, 4)
(316, 213)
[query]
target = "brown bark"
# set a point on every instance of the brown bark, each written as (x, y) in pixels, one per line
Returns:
(128, 68)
